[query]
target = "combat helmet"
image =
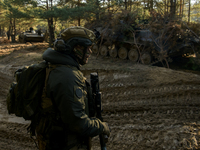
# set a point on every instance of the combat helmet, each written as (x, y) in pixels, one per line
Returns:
(73, 36)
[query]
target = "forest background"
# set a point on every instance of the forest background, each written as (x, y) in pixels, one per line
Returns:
(55, 15)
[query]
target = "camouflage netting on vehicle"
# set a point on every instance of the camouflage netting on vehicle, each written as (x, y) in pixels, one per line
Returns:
(157, 39)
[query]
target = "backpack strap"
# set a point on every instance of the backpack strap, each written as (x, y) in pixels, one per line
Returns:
(48, 103)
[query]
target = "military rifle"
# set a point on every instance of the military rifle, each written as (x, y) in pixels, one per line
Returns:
(97, 98)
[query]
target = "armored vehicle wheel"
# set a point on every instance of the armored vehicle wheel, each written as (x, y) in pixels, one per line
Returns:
(122, 53)
(133, 55)
(146, 58)
(113, 52)
(104, 50)
(95, 49)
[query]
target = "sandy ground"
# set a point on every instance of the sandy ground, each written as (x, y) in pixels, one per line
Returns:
(147, 107)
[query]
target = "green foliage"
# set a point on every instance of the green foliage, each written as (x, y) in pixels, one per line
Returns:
(31, 12)
(196, 12)
(14, 10)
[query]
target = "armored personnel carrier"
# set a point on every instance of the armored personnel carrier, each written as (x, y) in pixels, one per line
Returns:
(31, 36)
(126, 47)
(146, 43)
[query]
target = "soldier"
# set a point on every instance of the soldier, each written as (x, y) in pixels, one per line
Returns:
(97, 33)
(8, 34)
(66, 123)
(31, 29)
(39, 31)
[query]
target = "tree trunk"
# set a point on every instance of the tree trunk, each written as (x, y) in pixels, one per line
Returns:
(13, 32)
(10, 23)
(172, 8)
(144, 7)
(51, 31)
(125, 3)
(79, 21)
(3, 32)
(9, 30)
(130, 4)
(183, 7)
(50, 25)
(167, 6)
(189, 12)
(180, 11)
(97, 9)
(151, 5)
(14, 27)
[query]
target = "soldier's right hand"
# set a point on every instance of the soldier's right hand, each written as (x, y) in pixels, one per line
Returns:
(106, 129)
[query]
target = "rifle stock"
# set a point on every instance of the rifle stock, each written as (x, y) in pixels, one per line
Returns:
(97, 98)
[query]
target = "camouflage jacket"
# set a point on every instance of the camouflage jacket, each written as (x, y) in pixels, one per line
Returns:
(66, 85)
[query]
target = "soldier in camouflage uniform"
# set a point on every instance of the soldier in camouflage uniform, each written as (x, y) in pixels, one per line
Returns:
(66, 122)
(8, 34)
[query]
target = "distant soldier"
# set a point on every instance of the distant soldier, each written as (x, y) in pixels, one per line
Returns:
(39, 31)
(8, 34)
(97, 33)
(31, 29)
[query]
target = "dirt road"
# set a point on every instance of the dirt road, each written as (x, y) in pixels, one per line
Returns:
(147, 107)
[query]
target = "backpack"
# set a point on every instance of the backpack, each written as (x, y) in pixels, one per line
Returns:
(24, 96)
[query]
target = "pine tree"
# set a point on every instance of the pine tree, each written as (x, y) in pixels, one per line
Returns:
(14, 11)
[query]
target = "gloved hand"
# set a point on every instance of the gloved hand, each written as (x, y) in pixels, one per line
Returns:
(106, 129)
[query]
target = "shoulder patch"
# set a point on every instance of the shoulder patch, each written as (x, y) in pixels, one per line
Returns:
(79, 93)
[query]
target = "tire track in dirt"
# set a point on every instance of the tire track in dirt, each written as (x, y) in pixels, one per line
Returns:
(146, 107)
(149, 116)
(14, 136)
